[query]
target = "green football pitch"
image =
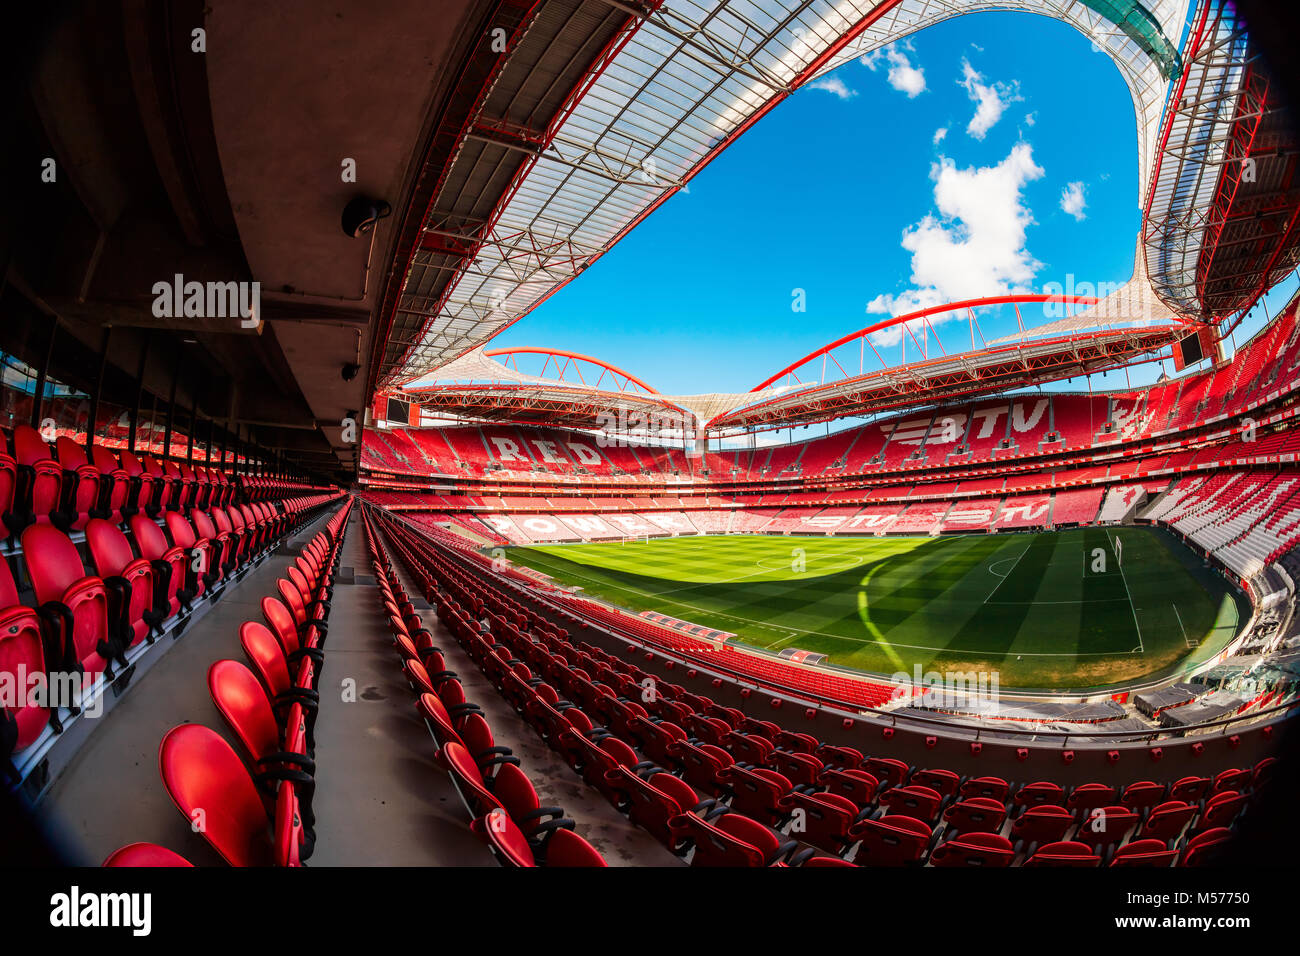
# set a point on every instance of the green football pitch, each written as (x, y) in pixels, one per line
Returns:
(1047, 610)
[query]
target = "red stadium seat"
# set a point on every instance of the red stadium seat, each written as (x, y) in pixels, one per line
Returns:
(1144, 853)
(1066, 853)
(891, 840)
(130, 583)
(22, 652)
(169, 565)
(218, 798)
(146, 854)
(1045, 823)
(202, 570)
(39, 480)
(564, 849)
(974, 849)
(74, 604)
(79, 494)
(729, 840)
(1206, 848)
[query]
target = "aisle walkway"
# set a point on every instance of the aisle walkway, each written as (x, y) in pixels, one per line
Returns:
(621, 842)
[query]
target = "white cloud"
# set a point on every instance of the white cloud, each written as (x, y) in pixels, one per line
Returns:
(939, 134)
(1031, 118)
(833, 84)
(975, 246)
(902, 75)
(990, 99)
(1072, 201)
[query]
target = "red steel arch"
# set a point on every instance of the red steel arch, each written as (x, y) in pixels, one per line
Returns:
(924, 314)
(571, 360)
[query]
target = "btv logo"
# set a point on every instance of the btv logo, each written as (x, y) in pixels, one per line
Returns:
(74, 909)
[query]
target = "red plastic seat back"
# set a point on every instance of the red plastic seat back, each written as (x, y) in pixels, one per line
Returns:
(264, 653)
(203, 525)
(1045, 823)
(731, 840)
(280, 620)
(182, 534)
(891, 840)
(210, 786)
(988, 850)
(112, 555)
(145, 854)
(912, 801)
(1064, 853)
(21, 653)
(113, 478)
(55, 569)
(1144, 853)
(242, 700)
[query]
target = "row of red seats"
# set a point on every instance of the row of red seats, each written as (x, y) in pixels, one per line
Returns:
(814, 684)
(83, 623)
(707, 763)
(502, 802)
(61, 486)
(256, 809)
(264, 488)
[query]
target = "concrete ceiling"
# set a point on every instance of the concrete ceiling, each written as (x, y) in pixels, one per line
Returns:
(226, 164)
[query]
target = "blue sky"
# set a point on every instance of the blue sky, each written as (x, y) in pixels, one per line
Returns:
(823, 193)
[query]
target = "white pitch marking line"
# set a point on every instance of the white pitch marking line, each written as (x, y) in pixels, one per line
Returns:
(1004, 576)
(1186, 640)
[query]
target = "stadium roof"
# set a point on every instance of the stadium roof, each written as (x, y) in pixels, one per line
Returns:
(600, 110)
(1221, 217)
(477, 386)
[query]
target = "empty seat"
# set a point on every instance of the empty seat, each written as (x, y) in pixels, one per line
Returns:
(145, 854)
(1064, 853)
(73, 604)
(39, 481)
(1144, 853)
(891, 840)
(288, 694)
(974, 849)
(114, 485)
(510, 790)
(653, 800)
(202, 570)
(168, 562)
(276, 753)
(1167, 821)
(510, 847)
(1206, 848)
(8, 484)
(141, 493)
(729, 840)
(1045, 823)
(22, 653)
(214, 792)
(221, 542)
(130, 583)
(912, 801)
(975, 815)
(79, 495)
